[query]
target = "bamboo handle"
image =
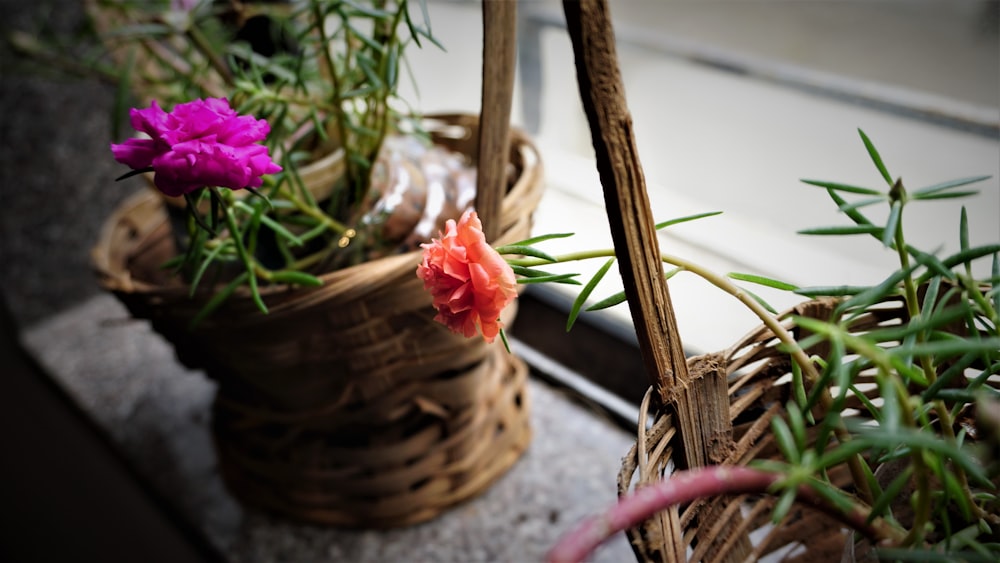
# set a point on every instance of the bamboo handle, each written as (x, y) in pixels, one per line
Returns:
(631, 219)
(499, 61)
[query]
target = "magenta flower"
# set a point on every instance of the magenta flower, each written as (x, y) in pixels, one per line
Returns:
(200, 143)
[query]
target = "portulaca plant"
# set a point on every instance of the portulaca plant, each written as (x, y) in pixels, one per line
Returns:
(937, 423)
(242, 98)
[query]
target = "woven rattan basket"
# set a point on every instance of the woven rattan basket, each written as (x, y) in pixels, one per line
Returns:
(711, 410)
(740, 390)
(347, 404)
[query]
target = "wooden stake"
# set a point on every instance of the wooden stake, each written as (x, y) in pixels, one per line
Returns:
(499, 62)
(631, 219)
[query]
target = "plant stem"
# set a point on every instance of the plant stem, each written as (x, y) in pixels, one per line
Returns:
(205, 47)
(687, 486)
(721, 282)
(854, 462)
(314, 213)
(923, 509)
(331, 69)
(382, 114)
(808, 369)
(241, 251)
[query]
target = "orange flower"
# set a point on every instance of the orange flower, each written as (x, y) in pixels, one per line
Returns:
(469, 281)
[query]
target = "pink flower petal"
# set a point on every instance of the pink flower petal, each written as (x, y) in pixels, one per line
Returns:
(470, 283)
(199, 143)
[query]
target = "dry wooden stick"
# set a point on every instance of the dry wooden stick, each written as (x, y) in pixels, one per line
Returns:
(631, 219)
(499, 60)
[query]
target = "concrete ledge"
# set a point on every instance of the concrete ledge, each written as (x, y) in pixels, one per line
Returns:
(126, 378)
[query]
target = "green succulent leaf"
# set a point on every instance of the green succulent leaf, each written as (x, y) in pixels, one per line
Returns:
(943, 186)
(844, 230)
(685, 219)
(831, 290)
(918, 440)
(783, 506)
(785, 440)
(946, 195)
(963, 230)
(530, 272)
(845, 207)
(852, 213)
(892, 224)
(218, 299)
(890, 493)
(947, 347)
(996, 282)
(963, 257)
(866, 402)
(203, 267)
(799, 391)
(503, 338)
(361, 9)
(297, 278)
(585, 293)
(525, 251)
(762, 280)
(876, 157)
(836, 186)
(551, 278)
(608, 302)
(760, 300)
(535, 240)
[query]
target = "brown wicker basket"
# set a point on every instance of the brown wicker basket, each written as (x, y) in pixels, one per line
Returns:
(347, 404)
(739, 391)
(712, 410)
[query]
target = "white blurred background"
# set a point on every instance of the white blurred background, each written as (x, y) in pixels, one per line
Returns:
(733, 103)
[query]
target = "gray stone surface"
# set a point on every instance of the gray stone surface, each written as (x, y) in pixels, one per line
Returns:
(56, 188)
(56, 171)
(158, 412)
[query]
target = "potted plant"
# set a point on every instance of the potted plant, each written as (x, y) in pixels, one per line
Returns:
(869, 409)
(276, 251)
(841, 404)
(861, 424)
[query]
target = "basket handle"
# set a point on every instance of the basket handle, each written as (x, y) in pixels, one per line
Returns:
(499, 61)
(630, 217)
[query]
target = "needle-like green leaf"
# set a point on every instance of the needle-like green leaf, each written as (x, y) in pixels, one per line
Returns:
(585, 293)
(607, 302)
(876, 157)
(844, 230)
(218, 299)
(535, 240)
(685, 219)
(943, 186)
(297, 278)
(762, 280)
(552, 278)
(836, 186)
(892, 224)
(525, 251)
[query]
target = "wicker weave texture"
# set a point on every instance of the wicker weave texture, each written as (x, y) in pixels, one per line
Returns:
(757, 381)
(346, 404)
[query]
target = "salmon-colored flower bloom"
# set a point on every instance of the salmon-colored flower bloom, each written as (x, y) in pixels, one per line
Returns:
(200, 143)
(469, 281)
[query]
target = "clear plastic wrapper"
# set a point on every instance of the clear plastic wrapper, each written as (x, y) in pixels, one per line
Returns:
(415, 188)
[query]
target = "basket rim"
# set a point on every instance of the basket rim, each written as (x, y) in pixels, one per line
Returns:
(526, 191)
